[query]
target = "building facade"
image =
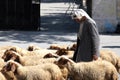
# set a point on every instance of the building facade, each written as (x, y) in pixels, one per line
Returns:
(106, 13)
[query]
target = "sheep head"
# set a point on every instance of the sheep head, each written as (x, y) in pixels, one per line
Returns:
(13, 49)
(62, 61)
(73, 47)
(62, 52)
(10, 66)
(10, 55)
(30, 48)
(50, 55)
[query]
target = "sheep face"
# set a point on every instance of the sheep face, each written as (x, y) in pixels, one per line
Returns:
(8, 75)
(9, 55)
(50, 55)
(62, 61)
(30, 48)
(13, 49)
(61, 52)
(10, 66)
(54, 47)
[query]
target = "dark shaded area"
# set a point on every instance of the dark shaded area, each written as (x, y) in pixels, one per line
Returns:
(118, 28)
(19, 15)
(56, 1)
(59, 23)
(111, 47)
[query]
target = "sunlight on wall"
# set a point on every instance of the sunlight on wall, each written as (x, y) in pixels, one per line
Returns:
(105, 15)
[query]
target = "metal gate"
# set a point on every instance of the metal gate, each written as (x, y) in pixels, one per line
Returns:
(19, 15)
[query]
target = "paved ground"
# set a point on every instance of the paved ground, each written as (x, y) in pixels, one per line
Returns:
(44, 39)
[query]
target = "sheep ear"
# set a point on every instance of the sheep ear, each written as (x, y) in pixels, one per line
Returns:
(14, 57)
(13, 67)
(64, 61)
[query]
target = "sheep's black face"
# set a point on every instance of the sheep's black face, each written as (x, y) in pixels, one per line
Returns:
(7, 55)
(10, 66)
(61, 52)
(61, 61)
(13, 49)
(50, 55)
(9, 75)
(30, 48)
(7, 67)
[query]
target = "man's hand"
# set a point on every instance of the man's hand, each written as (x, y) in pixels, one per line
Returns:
(95, 57)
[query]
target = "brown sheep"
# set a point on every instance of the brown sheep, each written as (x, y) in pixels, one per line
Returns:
(112, 57)
(47, 71)
(95, 70)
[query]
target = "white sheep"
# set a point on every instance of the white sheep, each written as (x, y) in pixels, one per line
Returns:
(24, 52)
(2, 77)
(48, 71)
(28, 60)
(7, 75)
(112, 57)
(63, 69)
(95, 70)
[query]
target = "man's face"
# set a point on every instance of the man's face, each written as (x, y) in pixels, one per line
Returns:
(78, 20)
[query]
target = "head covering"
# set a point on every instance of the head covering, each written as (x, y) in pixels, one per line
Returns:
(79, 13)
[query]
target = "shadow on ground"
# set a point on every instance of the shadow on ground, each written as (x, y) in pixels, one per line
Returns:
(35, 36)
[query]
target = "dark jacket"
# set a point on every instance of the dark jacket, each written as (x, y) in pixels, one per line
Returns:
(88, 44)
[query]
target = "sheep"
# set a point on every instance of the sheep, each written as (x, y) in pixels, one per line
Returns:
(50, 55)
(12, 54)
(94, 70)
(28, 60)
(3, 49)
(57, 47)
(7, 75)
(41, 53)
(2, 77)
(112, 57)
(68, 53)
(63, 69)
(19, 50)
(72, 47)
(47, 71)
(33, 47)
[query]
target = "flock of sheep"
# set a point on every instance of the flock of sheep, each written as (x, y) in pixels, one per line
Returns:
(55, 63)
